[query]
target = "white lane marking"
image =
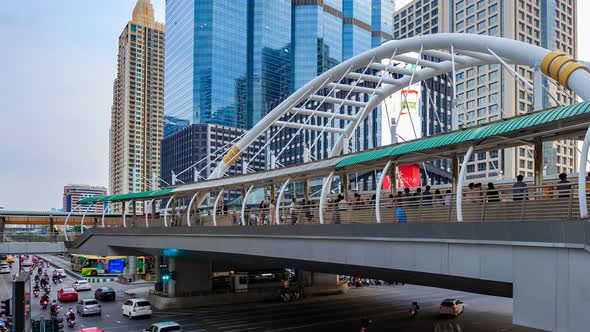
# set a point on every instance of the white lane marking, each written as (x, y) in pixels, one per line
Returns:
(118, 322)
(108, 315)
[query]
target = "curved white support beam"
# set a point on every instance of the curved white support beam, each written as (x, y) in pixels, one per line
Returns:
(277, 207)
(472, 50)
(378, 193)
(219, 196)
(83, 217)
(243, 211)
(66, 221)
(460, 184)
(103, 213)
(150, 204)
(125, 206)
(190, 205)
(582, 176)
(324, 195)
(166, 211)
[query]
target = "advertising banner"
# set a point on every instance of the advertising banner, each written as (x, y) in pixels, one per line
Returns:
(116, 266)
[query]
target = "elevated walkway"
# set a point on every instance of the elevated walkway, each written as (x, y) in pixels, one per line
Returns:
(542, 265)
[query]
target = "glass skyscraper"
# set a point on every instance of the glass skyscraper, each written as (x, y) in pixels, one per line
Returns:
(207, 62)
(230, 62)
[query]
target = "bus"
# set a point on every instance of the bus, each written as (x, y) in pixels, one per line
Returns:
(91, 265)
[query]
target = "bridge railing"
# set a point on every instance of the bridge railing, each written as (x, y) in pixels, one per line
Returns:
(549, 202)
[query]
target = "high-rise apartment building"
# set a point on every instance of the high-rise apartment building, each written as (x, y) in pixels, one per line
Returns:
(489, 92)
(73, 193)
(138, 103)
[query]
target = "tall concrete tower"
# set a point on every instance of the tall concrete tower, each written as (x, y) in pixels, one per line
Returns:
(138, 103)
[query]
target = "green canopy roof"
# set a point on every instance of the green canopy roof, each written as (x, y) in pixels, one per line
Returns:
(124, 197)
(470, 134)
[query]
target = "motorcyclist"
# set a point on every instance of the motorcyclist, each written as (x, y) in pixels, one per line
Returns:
(415, 306)
(54, 309)
(43, 283)
(44, 298)
(39, 270)
(71, 315)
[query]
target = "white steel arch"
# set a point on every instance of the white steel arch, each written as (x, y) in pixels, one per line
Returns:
(455, 51)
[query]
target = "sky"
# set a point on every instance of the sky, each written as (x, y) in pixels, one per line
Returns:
(57, 65)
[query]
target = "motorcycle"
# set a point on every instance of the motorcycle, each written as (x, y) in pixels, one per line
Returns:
(413, 313)
(70, 322)
(36, 293)
(44, 304)
(285, 295)
(358, 283)
(365, 323)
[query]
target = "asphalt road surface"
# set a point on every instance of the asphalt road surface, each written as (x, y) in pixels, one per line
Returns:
(387, 306)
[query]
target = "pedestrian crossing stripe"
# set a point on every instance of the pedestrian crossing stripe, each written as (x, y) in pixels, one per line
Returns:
(95, 280)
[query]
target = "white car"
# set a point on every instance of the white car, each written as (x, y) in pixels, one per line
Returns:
(81, 285)
(4, 268)
(27, 262)
(164, 327)
(136, 307)
(62, 272)
(451, 307)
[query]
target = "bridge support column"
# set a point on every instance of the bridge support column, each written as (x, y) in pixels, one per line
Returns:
(454, 172)
(131, 268)
(344, 184)
(306, 190)
(316, 283)
(550, 288)
(2, 221)
(393, 178)
(538, 162)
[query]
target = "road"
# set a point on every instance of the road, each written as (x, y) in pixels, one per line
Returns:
(387, 306)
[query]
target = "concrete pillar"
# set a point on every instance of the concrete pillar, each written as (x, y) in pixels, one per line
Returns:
(171, 290)
(455, 172)
(131, 274)
(393, 178)
(153, 212)
(157, 262)
(344, 184)
(273, 194)
(133, 222)
(538, 162)
(2, 221)
(316, 283)
(193, 277)
(51, 227)
(306, 189)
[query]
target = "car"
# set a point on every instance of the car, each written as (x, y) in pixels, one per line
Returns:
(105, 294)
(62, 272)
(451, 307)
(10, 259)
(4, 268)
(90, 329)
(88, 307)
(81, 285)
(27, 262)
(136, 307)
(164, 327)
(67, 294)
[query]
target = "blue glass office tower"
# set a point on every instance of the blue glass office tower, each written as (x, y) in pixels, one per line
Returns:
(381, 21)
(269, 56)
(207, 61)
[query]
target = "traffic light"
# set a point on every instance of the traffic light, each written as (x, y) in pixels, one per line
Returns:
(5, 307)
(165, 277)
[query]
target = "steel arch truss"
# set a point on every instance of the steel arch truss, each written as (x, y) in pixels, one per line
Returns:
(337, 101)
